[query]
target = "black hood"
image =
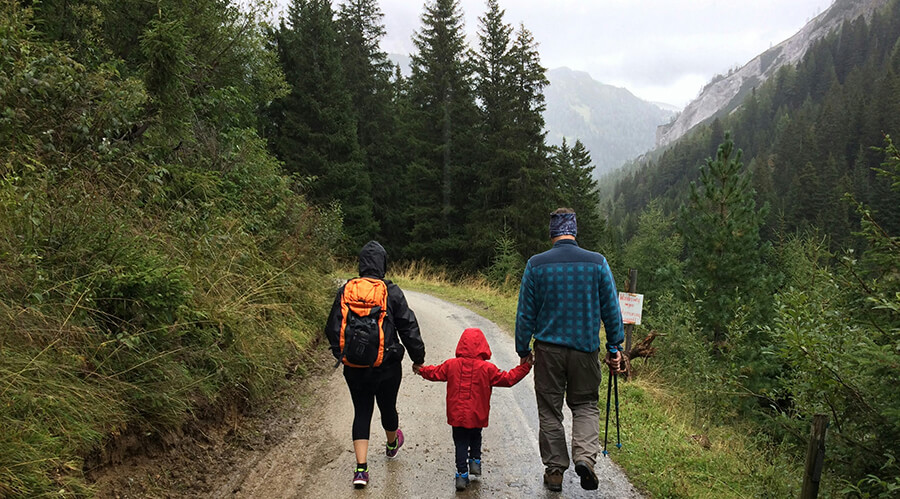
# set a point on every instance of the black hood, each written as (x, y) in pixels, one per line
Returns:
(372, 260)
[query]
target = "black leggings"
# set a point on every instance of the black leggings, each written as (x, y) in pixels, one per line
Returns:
(368, 385)
(468, 445)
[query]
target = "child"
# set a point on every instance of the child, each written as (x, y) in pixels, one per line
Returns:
(470, 378)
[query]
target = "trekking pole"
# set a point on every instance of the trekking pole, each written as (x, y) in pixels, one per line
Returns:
(616, 383)
(606, 431)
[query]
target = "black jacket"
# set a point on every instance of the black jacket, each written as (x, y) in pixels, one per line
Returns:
(400, 320)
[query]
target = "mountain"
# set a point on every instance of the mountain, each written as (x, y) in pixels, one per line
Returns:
(809, 135)
(611, 122)
(667, 107)
(725, 93)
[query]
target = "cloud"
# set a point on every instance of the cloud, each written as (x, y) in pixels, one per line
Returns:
(658, 49)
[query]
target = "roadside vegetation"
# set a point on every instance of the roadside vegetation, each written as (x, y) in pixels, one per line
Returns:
(155, 262)
(670, 447)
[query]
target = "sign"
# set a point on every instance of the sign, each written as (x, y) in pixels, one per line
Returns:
(631, 305)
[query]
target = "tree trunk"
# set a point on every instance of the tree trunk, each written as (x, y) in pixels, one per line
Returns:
(643, 349)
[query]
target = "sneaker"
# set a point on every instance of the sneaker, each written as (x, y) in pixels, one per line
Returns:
(589, 479)
(391, 451)
(553, 479)
(462, 481)
(360, 477)
(475, 466)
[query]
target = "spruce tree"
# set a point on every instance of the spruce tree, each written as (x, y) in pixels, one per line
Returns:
(444, 113)
(533, 182)
(367, 74)
(492, 201)
(493, 68)
(573, 172)
(515, 189)
(720, 225)
(313, 130)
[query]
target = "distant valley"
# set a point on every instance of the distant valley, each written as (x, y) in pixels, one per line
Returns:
(612, 123)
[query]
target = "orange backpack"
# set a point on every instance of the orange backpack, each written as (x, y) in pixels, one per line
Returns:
(364, 307)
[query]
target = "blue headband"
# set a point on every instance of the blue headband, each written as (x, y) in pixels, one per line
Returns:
(562, 224)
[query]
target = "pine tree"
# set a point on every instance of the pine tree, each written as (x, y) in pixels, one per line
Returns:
(313, 130)
(491, 204)
(445, 115)
(577, 188)
(720, 225)
(367, 73)
(655, 252)
(533, 183)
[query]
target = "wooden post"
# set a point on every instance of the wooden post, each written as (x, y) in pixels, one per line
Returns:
(815, 457)
(631, 287)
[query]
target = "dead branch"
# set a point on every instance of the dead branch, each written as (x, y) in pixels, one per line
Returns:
(644, 348)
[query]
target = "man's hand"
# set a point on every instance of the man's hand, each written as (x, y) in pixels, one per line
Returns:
(528, 358)
(616, 362)
(416, 368)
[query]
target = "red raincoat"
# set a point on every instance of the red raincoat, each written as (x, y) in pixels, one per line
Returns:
(470, 378)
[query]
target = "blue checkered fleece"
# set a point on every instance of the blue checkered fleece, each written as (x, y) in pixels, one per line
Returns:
(565, 294)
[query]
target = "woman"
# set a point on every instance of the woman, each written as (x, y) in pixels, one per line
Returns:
(378, 381)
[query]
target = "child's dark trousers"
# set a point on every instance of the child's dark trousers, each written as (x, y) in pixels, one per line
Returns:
(468, 446)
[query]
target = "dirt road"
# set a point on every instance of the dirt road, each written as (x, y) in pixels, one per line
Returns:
(316, 461)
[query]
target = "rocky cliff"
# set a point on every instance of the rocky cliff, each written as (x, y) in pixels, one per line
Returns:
(724, 94)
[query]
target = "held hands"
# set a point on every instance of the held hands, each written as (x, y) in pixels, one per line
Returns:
(416, 368)
(529, 359)
(616, 362)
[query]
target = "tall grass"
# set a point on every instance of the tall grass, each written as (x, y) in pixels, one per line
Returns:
(473, 291)
(90, 361)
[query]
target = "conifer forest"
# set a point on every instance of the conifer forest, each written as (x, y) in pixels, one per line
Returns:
(179, 180)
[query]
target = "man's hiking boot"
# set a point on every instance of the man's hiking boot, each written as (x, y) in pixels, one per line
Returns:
(475, 467)
(360, 477)
(391, 450)
(553, 480)
(462, 481)
(589, 479)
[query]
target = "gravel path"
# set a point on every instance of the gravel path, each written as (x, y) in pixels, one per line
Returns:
(316, 460)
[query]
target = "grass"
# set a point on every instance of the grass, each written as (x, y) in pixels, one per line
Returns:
(69, 385)
(473, 292)
(661, 429)
(665, 449)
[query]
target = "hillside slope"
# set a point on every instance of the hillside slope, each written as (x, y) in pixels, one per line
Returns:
(612, 123)
(725, 93)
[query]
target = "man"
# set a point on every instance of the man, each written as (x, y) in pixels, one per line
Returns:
(565, 293)
(380, 384)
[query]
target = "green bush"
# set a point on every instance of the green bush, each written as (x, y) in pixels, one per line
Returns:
(506, 269)
(140, 279)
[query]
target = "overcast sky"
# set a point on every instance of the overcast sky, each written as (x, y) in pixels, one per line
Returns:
(660, 50)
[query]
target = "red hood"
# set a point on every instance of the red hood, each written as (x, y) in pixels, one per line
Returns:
(473, 344)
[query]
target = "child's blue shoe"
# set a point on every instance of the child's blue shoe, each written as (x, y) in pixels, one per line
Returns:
(462, 481)
(475, 467)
